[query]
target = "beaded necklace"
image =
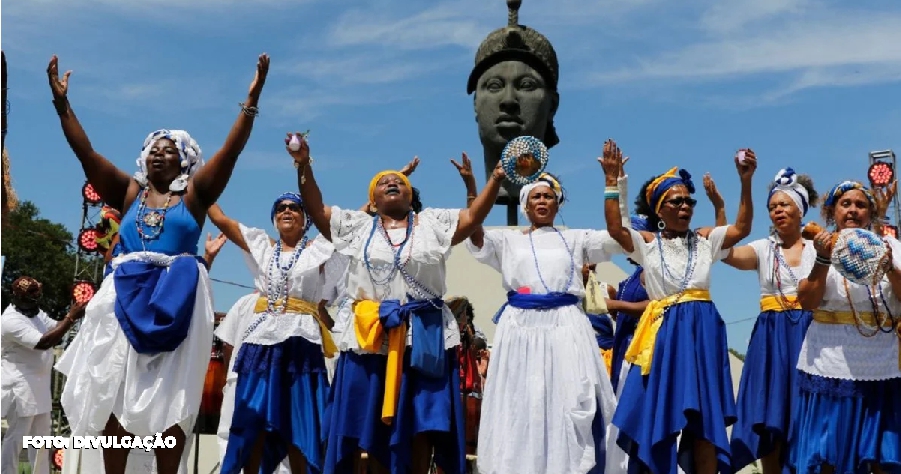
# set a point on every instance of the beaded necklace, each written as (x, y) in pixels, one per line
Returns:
(689, 265)
(779, 263)
(572, 262)
(884, 322)
(278, 274)
(154, 219)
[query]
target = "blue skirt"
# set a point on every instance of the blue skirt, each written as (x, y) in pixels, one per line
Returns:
(625, 329)
(281, 391)
(768, 394)
(689, 390)
(426, 405)
(847, 424)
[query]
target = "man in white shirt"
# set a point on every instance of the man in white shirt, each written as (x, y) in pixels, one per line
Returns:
(28, 334)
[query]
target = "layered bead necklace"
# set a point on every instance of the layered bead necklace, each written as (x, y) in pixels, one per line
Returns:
(397, 266)
(277, 277)
(666, 273)
(572, 262)
(778, 264)
(154, 219)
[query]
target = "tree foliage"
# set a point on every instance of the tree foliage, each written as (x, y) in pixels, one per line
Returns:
(43, 250)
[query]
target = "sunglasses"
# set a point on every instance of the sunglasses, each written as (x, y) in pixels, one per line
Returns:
(679, 201)
(287, 207)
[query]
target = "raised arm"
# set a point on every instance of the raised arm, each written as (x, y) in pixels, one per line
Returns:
(742, 258)
(228, 226)
(719, 204)
(742, 227)
(53, 337)
(318, 212)
(812, 289)
(211, 179)
(472, 192)
(110, 182)
(472, 217)
(612, 162)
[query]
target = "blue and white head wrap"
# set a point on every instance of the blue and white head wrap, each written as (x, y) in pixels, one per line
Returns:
(546, 179)
(661, 185)
(845, 186)
(287, 196)
(188, 149)
(786, 181)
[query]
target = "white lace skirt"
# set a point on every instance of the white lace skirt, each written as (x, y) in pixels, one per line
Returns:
(146, 393)
(546, 384)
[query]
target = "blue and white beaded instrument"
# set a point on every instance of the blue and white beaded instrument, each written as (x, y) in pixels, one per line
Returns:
(859, 255)
(524, 159)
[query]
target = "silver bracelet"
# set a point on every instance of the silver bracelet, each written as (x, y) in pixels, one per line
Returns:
(249, 111)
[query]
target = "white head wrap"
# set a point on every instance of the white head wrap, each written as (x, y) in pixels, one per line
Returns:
(545, 180)
(787, 181)
(188, 149)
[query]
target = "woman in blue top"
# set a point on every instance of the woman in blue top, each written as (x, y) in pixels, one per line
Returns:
(135, 368)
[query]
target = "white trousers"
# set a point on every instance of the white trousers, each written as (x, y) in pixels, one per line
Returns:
(19, 426)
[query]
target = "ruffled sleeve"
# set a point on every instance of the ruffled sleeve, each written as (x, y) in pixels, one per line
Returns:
(441, 224)
(258, 243)
(349, 229)
(599, 246)
(716, 238)
(492, 249)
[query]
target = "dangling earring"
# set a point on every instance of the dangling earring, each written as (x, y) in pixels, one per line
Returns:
(661, 225)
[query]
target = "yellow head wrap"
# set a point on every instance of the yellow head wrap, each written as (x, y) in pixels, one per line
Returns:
(660, 186)
(382, 174)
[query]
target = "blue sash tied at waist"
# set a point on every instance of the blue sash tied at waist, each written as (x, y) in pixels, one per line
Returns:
(427, 322)
(154, 304)
(550, 300)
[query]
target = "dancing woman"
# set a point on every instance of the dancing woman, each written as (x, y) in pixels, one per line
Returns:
(849, 414)
(768, 392)
(680, 380)
(549, 396)
(151, 348)
(282, 384)
(395, 402)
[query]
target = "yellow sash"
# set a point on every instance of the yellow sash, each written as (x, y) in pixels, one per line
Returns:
(847, 317)
(779, 303)
(299, 306)
(607, 355)
(369, 332)
(641, 349)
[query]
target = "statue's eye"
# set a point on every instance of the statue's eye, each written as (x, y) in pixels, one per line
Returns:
(494, 85)
(528, 83)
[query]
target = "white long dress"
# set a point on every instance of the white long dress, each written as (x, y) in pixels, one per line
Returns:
(547, 380)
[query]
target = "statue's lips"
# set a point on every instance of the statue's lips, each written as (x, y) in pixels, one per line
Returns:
(508, 124)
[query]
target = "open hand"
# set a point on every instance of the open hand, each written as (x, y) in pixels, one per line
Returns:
(410, 167)
(465, 169)
(499, 173)
(823, 244)
(76, 312)
(612, 159)
(256, 87)
(213, 246)
(712, 193)
(60, 87)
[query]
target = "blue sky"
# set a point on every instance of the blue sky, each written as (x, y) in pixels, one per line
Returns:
(805, 83)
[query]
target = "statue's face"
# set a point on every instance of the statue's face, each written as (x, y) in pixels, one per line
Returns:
(512, 100)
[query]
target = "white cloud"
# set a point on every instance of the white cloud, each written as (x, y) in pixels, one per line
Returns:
(828, 48)
(732, 16)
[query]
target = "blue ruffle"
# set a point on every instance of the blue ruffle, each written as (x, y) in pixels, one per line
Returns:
(768, 393)
(282, 390)
(154, 304)
(848, 432)
(689, 390)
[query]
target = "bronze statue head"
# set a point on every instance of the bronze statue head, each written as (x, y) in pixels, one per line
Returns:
(515, 85)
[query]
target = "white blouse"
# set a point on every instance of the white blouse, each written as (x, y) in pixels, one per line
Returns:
(663, 276)
(788, 278)
(371, 271)
(305, 281)
(840, 351)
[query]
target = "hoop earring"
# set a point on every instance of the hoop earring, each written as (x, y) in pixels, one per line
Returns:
(661, 225)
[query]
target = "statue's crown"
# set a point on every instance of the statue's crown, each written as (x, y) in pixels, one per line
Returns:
(519, 43)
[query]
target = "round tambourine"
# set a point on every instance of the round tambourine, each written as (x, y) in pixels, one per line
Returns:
(524, 159)
(859, 255)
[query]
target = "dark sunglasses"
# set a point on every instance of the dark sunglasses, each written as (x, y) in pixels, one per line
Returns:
(679, 201)
(287, 207)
